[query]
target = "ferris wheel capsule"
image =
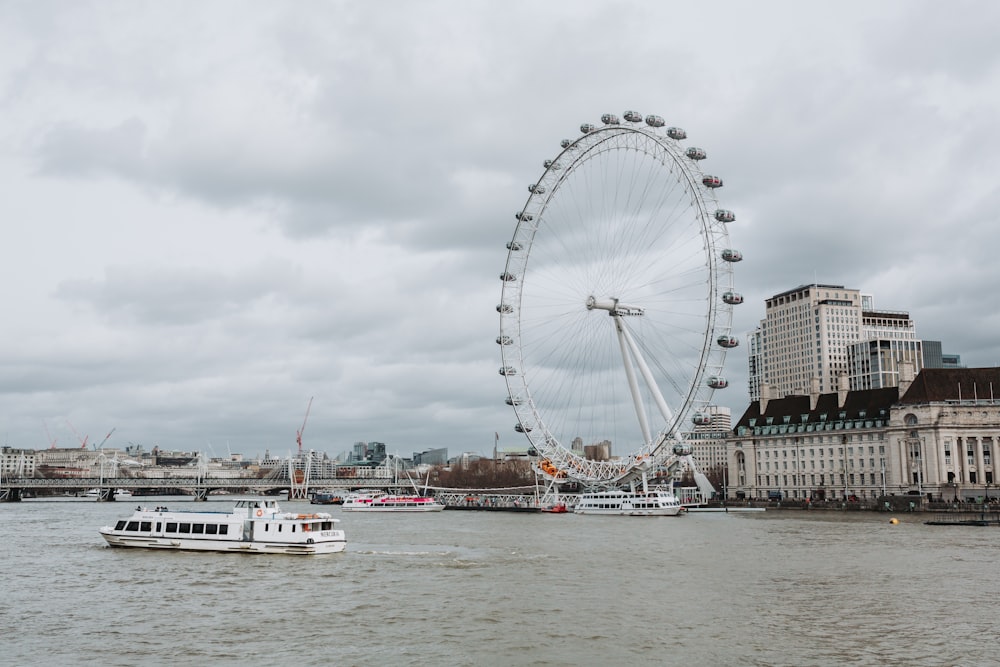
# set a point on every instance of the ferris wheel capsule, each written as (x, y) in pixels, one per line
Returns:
(722, 214)
(505, 340)
(712, 182)
(633, 116)
(515, 246)
(696, 153)
(676, 133)
(505, 308)
(718, 382)
(508, 370)
(731, 255)
(521, 428)
(565, 143)
(551, 164)
(587, 128)
(683, 448)
(701, 419)
(526, 217)
(610, 119)
(732, 298)
(655, 121)
(510, 277)
(537, 189)
(728, 341)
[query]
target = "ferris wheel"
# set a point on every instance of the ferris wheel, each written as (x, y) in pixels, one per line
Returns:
(616, 307)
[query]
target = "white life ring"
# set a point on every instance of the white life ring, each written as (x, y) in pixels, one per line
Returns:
(260, 512)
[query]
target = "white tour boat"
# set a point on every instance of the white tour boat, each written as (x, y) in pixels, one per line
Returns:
(384, 502)
(119, 493)
(653, 502)
(255, 525)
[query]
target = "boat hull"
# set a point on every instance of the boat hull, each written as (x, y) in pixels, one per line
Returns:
(228, 546)
(663, 511)
(369, 508)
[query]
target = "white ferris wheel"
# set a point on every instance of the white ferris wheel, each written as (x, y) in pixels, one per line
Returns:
(616, 307)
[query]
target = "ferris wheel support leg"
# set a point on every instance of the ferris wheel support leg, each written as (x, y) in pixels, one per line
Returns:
(647, 375)
(633, 384)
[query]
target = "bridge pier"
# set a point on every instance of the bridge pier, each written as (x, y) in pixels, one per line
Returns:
(106, 496)
(10, 495)
(200, 495)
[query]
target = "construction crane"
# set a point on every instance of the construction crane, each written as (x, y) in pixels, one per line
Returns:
(83, 440)
(298, 434)
(108, 436)
(52, 441)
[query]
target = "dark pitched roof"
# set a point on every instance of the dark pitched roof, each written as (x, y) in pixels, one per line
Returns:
(870, 401)
(951, 384)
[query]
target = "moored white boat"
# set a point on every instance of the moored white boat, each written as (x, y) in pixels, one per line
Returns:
(119, 493)
(254, 525)
(654, 502)
(384, 502)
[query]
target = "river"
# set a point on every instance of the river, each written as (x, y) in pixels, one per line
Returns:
(494, 588)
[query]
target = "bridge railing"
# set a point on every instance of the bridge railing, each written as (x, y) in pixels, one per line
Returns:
(70, 483)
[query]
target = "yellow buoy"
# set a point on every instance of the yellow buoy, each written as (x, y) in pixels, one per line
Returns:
(893, 521)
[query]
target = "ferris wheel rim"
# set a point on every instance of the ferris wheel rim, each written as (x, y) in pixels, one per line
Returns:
(591, 145)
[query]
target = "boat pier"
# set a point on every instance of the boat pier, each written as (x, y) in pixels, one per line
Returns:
(966, 518)
(489, 502)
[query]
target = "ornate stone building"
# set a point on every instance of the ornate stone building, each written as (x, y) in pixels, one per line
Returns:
(936, 436)
(944, 434)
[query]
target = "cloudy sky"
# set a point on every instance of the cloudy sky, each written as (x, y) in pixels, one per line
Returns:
(214, 211)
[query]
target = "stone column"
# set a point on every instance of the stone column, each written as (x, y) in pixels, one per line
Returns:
(961, 474)
(980, 468)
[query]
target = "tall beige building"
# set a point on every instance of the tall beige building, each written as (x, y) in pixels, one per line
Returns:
(805, 334)
(820, 332)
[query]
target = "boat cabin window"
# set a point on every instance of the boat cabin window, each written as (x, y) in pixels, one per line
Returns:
(211, 529)
(184, 528)
(198, 528)
(120, 525)
(224, 529)
(146, 526)
(171, 527)
(132, 525)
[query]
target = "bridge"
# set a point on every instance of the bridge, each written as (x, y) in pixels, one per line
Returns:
(12, 489)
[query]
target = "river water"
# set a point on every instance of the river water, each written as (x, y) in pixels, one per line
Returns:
(495, 588)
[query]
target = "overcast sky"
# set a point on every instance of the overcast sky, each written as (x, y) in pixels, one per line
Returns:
(213, 211)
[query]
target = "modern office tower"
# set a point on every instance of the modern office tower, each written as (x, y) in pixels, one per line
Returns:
(951, 361)
(935, 358)
(888, 339)
(932, 353)
(805, 334)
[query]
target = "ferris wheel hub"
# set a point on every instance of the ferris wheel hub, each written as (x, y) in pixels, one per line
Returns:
(613, 306)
